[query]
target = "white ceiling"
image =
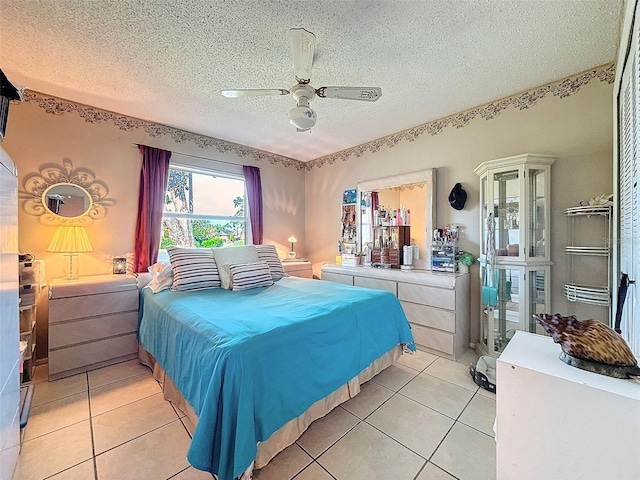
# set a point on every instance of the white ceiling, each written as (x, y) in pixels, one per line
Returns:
(167, 60)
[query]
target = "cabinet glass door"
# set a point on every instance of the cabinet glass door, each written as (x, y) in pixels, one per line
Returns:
(506, 198)
(538, 298)
(537, 213)
(485, 214)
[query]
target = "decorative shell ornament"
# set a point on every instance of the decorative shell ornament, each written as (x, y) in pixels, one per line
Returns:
(590, 345)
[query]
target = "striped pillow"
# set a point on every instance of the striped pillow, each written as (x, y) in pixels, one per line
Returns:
(267, 253)
(249, 275)
(193, 269)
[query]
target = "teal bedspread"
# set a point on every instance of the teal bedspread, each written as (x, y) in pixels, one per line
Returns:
(250, 361)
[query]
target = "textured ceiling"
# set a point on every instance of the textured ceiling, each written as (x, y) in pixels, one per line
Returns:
(166, 61)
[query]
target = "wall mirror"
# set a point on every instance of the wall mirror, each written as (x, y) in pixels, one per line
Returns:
(62, 194)
(415, 192)
(67, 200)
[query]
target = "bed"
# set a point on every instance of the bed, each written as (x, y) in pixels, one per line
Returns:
(255, 367)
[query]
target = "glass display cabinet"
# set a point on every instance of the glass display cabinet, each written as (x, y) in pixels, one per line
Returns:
(514, 247)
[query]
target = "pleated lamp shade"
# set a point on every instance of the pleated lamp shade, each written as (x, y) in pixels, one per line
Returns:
(70, 239)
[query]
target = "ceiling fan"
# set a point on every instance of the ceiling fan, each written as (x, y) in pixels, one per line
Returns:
(303, 44)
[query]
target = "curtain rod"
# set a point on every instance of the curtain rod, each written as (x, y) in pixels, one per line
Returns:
(196, 156)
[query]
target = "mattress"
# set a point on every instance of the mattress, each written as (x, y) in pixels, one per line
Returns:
(249, 362)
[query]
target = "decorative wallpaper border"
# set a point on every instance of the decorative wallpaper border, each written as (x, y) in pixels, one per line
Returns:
(560, 88)
(58, 106)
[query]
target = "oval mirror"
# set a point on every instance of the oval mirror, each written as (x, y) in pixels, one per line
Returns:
(67, 200)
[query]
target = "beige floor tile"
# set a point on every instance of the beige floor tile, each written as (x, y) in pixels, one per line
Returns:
(120, 393)
(431, 472)
(113, 373)
(480, 414)
(157, 455)
(84, 471)
(130, 421)
(396, 376)
(418, 361)
(368, 454)
(313, 472)
(371, 396)
(52, 453)
(467, 454)
(192, 474)
(287, 464)
(445, 397)
(468, 358)
(453, 372)
(50, 416)
(48, 391)
(413, 425)
(327, 430)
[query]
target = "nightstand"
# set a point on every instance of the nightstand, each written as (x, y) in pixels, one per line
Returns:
(92, 323)
(298, 268)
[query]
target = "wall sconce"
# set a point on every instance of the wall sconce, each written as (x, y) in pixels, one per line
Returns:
(119, 265)
(70, 240)
(291, 255)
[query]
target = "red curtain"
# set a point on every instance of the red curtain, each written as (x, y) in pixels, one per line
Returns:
(151, 198)
(254, 192)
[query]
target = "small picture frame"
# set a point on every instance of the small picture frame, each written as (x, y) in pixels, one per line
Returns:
(119, 265)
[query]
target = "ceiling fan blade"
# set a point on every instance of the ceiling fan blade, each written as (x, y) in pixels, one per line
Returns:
(367, 94)
(303, 44)
(253, 92)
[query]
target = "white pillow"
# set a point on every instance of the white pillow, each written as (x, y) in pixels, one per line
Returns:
(269, 254)
(227, 255)
(162, 276)
(245, 276)
(193, 269)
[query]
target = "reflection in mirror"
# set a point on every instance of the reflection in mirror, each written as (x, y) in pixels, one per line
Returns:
(411, 194)
(67, 200)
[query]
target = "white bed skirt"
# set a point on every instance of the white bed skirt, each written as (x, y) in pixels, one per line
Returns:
(290, 431)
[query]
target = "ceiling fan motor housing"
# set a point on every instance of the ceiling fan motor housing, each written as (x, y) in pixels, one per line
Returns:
(302, 116)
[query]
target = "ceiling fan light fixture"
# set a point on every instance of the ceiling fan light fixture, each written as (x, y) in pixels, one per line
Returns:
(302, 117)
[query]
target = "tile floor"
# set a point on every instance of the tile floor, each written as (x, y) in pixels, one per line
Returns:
(421, 419)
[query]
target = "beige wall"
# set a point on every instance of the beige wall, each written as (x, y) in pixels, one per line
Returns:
(576, 129)
(34, 138)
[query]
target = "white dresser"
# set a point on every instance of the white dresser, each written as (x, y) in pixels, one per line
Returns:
(436, 304)
(92, 323)
(298, 268)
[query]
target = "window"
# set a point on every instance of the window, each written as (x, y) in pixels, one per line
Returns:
(203, 209)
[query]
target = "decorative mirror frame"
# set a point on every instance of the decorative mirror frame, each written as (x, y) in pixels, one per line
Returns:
(428, 177)
(37, 184)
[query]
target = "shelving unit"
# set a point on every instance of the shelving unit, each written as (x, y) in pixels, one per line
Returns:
(589, 255)
(514, 199)
(31, 275)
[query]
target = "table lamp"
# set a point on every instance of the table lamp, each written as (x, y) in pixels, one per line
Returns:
(70, 240)
(291, 255)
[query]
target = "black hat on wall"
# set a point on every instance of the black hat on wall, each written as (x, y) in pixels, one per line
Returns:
(458, 197)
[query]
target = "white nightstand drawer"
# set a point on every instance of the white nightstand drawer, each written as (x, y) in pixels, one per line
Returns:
(61, 309)
(376, 283)
(79, 331)
(435, 297)
(430, 316)
(86, 355)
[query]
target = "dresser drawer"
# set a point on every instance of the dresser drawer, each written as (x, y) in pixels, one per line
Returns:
(338, 277)
(87, 329)
(84, 355)
(432, 296)
(433, 339)
(430, 316)
(377, 283)
(61, 309)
